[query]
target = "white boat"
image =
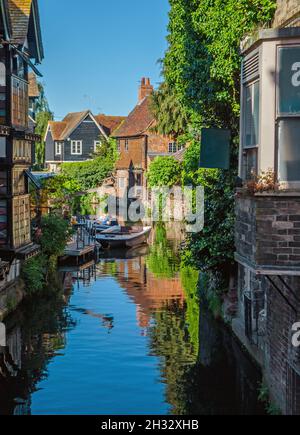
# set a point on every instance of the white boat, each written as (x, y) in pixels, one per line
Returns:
(128, 237)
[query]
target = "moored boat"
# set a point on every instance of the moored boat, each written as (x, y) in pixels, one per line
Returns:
(127, 237)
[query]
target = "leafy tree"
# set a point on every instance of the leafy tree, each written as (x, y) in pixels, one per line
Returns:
(55, 233)
(164, 172)
(201, 72)
(171, 117)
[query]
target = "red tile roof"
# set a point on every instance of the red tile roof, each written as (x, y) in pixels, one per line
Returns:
(110, 123)
(61, 130)
(57, 129)
(137, 122)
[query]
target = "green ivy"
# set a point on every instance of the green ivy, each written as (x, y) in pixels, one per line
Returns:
(201, 71)
(164, 172)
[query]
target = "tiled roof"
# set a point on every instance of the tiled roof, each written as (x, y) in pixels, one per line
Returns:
(62, 130)
(33, 90)
(57, 129)
(72, 120)
(19, 11)
(110, 123)
(137, 121)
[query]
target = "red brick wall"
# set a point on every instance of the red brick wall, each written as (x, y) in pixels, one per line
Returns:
(135, 155)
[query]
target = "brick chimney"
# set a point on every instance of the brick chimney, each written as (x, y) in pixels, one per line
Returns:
(145, 88)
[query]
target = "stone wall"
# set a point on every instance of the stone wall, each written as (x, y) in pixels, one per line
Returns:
(287, 14)
(268, 230)
(282, 371)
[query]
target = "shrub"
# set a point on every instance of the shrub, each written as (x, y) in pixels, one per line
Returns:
(164, 171)
(55, 233)
(33, 274)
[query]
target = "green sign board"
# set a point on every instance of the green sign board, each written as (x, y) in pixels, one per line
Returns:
(215, 148)
(289, 81)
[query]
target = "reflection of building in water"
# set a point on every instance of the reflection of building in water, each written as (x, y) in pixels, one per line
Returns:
(147, 292)
(13, 396)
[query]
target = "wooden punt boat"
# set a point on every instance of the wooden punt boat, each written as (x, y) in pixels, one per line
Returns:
(128, 237)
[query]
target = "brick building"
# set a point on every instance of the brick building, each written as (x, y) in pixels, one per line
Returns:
(138, 144)
(268, 219)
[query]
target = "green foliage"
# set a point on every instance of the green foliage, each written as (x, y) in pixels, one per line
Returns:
(171, 119)
(202, 63)
(43, 116)
(201, 70)
(33, 274)
(189, 280)
(264, 397)
(39, 271)
(42, 119)
(70, 187)
(214, 246)
(91, 174)
(164, 172)
(55, 233)
(162, 261)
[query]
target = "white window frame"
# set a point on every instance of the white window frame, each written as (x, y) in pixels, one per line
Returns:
(58, 148)
(172, 147)
(97, 143)
(78, 151)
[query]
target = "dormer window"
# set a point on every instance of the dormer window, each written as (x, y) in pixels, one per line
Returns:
(58, 148)
(76, 147)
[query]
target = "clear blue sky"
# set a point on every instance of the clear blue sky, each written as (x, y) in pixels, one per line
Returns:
(96, 51)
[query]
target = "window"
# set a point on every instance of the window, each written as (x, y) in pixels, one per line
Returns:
(58, 148)
(21, 150)
(2, 147)
(19, 102)
(126, 144)
(118, 145)
(121, 182)
(289, 150)
(76, 147)
(97, 144)
(138, 180)
(251, 115)
(250, 129)
(21, 221)
(172, 147)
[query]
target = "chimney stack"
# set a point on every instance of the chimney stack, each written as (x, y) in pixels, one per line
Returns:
(145, 88)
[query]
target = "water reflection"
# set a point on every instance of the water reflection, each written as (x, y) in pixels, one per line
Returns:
(132, 340)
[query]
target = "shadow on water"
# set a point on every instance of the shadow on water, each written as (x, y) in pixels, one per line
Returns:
(139, 332)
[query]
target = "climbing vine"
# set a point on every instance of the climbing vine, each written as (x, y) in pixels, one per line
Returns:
(202, 69)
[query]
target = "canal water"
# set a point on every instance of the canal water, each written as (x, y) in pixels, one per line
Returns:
(127, 336)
